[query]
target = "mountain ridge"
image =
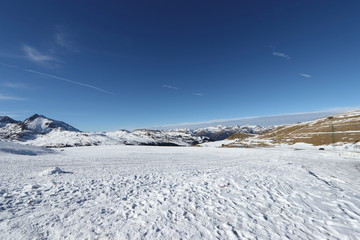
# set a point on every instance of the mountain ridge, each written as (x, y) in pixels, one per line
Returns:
(39, 130)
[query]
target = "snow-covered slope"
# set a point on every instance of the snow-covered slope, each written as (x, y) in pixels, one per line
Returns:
(134, 192)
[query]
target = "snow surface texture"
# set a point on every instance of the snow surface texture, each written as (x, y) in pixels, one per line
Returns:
(139, 192)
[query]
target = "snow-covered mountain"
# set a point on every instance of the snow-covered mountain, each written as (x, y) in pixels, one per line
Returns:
(5, 120)
(31, 127)
(9, 128)
(39, 130)
(41, 124)
(217, 133)
(59, 138)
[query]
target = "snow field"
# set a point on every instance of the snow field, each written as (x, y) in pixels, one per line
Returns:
(132, 192)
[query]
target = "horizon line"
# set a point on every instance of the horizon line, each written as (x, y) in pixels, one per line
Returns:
(328, 110)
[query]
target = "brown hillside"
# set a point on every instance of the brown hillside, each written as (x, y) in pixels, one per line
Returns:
(333, 129)
(239, 136)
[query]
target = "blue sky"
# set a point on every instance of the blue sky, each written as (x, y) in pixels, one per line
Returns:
(129, 64)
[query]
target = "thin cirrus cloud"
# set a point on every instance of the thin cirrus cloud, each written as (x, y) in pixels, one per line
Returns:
(57, 78)
(170, 87)
(15, 85)
(68, 80)
(60, 39)
(304, 75)
(176, 88)
(10, 98)
(36, 56)
(63, 39)
(280, 54)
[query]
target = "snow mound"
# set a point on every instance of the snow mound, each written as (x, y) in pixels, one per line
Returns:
(52, 171)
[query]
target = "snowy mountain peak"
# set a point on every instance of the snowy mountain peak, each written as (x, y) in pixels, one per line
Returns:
(35, 116)
(41, 124)
(6, 120)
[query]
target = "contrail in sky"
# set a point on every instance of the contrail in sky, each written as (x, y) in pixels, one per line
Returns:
(58, 78)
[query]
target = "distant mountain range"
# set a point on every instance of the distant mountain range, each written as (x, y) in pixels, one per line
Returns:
(39, 130)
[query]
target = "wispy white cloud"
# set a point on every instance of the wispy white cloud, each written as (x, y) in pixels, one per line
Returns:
(10, 98)
(62, 38)
(59, 78)
(68, 80)
(305, 75)
(15, 85)
(171, 87)
(49, 57)
(36, 56)
(280, 54)
(8, 65)
(199, 94)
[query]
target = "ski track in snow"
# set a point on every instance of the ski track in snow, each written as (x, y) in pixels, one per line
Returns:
(129, 192)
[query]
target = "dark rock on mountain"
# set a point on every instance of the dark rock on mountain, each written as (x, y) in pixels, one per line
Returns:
(5, 120)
